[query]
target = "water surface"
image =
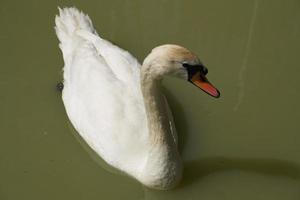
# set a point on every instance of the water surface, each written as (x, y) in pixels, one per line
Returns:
(245, 145)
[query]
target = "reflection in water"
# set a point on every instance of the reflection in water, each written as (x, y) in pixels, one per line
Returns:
(195, 170)
(92, 153)
(234, 175)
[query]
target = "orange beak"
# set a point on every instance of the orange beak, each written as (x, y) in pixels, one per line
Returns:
(201, 81)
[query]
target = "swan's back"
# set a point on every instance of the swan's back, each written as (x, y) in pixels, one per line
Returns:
(102, 93)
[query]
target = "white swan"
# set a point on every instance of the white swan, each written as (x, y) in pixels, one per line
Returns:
(116, 105)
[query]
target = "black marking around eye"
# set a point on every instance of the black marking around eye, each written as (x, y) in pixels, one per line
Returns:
(193, 69)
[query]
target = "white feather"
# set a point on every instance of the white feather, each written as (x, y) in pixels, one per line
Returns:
(102, 92)
(116, 105)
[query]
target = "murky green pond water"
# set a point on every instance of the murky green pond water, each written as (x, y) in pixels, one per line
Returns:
(245, 145)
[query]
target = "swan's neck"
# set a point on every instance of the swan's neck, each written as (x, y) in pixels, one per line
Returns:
(163, 166)
(156, 111)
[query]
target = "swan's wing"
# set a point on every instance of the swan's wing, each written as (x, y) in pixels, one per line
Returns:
(101, 92)
(125, 67)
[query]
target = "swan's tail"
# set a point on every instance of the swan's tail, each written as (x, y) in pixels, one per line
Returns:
(67, 24)
(69, 21)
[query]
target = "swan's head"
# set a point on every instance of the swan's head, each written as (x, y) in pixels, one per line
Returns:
(177, 61)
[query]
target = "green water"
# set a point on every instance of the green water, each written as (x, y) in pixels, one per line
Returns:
(245, 145)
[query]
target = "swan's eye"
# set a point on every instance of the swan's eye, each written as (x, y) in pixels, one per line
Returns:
(195, 68)
(186, 65)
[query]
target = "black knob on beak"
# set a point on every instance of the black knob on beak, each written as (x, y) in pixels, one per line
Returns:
(204, 70)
